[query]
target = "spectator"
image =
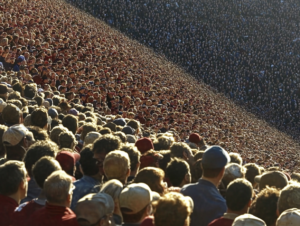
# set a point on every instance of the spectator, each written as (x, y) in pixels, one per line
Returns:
(114, 188)
(238, 200)
(289, 217)
(170, 205)
(134, 156)
(209, 204)
(182, 150)
(67, 161)
(67, 140)
(39, 117)
(116, 165)
(198, 140)
(58, 190)
(265, 205)
(272, 179)
(13, 188)
(236, 158)
(41, 170)
(248, 219)
(289, 198)
(95, 209)
(144, 144)
(91, 177)
(232, 172)
(135, 203)
(178, 172)
(252, 170)
(12, 115)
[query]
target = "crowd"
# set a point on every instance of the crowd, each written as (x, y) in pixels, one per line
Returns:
(248, 50)
(96, 129)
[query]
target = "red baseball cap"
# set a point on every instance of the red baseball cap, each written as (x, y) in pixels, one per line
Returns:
(144, 144)
(67, 159)
(195, 138)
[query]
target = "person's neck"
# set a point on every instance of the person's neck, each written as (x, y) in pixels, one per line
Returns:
(97, 177)
(214, 181)
(16, 197)
(240, 212)
(56, 204)
(42, 195)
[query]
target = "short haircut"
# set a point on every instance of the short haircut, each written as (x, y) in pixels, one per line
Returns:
(232, 172)
(196, 171)
(289, 197)
(134, 155)
(113, 188)
(176, 171)
(198, 155)
(116, 165)
(295, 177)
(71, 123)
(43, 168)
(134, 124)
(54, 134)
(178, 148)
(30, 91)
(239, 193)
(265, 205)
(39, 117)
(152, 177)
(106, 143)
(236, 158)
(87, 162)
(12, 173)
(38, 133)
(163, 143)
(57, 187)
(252, 170)
(66, 139)
(88, 127)
(37, 151)
(3, 128)
(172, 209)
(122, 136)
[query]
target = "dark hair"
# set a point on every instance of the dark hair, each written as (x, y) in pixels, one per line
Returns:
(30, 91)
(122, 136)
(105, 131)
(106, 143)
(165, 160)
(239, 193)
(37, 151)
(176, 171)
(178, 148)
(38, 133)
(71, 123)
(133, 153)
(236, 158)
(132, 218)
(196, 171)
(88, 127)
(87, 162)
(39, 117)
(43, 168)
(265, 205)
(252, 170)
(198, 155)
(3, 128)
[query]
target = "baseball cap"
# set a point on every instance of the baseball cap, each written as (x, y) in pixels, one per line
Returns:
(272, 179)
(135, 197)
(91, 137)
(144, 144)
(52, 112)
(248, 220)
(92, 207)
(130, 139)
(67, 159)
(195, 138)
(215, 157)
(289, 217)
(128, 130)
(119, 122)
(14, 134)
(20, 58)
(73, 111)
(2, 105)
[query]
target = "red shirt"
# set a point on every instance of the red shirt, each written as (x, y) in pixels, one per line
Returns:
(226, 220)
(22, 214)
(53, 216)
(148, 221)
(7, 207)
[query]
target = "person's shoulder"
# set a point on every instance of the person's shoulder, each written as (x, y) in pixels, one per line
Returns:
(186, 189)
(221, 222)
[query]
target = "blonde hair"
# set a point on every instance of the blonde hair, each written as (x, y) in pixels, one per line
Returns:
(116, 165)
(57, 187)
(289, 197)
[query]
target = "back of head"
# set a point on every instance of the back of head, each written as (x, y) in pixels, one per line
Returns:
(239, 194)
(87, 162)
(289, 197)
(249, 220)
(106, 144)
(252, 170)
(67, 140)
(178, 149)
(134, 155)
(144, 144)
(232, 172)
(88, 127)
(289, 217)
(116, 165)
(272, 179)
(113, 188)
(37, 151)
(12, 173)
(93, 207)
(265, 205)
(43, 168)
(236, 158)
(57, 187)
(152, 177)
(54, 134)
(30, 91)
(39, 117)
(11, 114)
(71, 123)
(176, 171)
(170, 205)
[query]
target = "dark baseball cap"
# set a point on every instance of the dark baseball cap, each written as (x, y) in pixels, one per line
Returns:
(215, 157)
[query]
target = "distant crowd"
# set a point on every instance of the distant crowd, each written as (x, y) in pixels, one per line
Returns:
(248, 50)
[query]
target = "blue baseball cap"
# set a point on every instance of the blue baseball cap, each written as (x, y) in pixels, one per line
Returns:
(215, 157)
(119, 122)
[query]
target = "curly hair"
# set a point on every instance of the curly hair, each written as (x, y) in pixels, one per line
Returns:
(39, 117)
(106, 143)
(265, 205)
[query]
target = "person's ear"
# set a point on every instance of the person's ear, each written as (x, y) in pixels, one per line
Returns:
(128, 173)
(277, 212)
(249, 203)
(185, 156)
(187, 178)
(23, 185)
